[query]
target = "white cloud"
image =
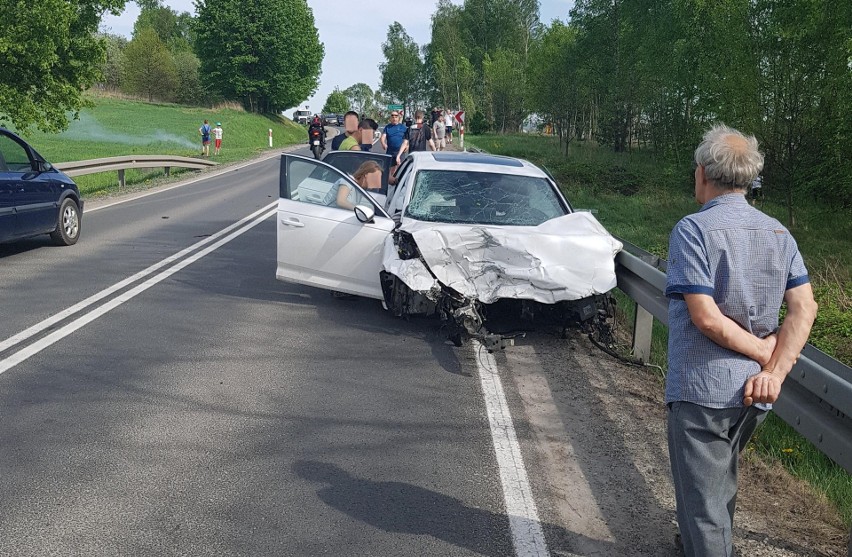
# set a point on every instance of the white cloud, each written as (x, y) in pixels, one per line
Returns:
(352, 33)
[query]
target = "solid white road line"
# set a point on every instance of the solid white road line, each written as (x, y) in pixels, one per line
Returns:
(84, 320)
(54, 319)
(527, 535)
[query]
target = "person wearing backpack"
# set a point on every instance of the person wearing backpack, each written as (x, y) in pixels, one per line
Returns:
(417, 138)
(204, 130)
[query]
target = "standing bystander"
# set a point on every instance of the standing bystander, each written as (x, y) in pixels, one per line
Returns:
(730, 268)
(417, 138)
(368, 128)
(350, 126)
(393, 135)
(217, 137)
(204, 131)
(439, 133)
(756, 189)
(448, 122)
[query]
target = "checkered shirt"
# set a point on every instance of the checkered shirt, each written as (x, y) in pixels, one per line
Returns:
(746, 261)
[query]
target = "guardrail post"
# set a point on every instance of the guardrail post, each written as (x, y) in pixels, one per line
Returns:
(167, 169)
(643, 327)
(121, 182)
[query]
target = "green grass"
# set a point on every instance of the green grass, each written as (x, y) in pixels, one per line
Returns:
(640, 199)
(116, 127)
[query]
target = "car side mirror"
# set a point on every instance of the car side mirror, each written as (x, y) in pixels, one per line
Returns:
(364, 213)
(43, 166)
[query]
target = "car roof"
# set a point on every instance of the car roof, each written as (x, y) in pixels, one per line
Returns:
(476, 162)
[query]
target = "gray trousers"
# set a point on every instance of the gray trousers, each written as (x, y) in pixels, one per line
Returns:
(704, 445)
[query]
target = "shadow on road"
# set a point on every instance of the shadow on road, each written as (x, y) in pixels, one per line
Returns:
(409, 509)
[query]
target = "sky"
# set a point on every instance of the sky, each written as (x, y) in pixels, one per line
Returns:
(352, 33)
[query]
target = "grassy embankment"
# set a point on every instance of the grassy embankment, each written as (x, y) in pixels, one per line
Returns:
(116, 127)
(640, 199)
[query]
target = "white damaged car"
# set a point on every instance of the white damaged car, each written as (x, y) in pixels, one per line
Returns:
(465, 236)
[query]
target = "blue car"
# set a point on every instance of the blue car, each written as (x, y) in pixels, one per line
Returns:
(35, 198)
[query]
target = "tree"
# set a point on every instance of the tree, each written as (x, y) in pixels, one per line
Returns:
(265, 53)
(465, 38)
(336, 103)
(149, 68)
(554, 90)
(49, 54)
(360, 97)
(189, 89)
(402, 70)
(111, 70)
(172, 28)
(504, 88)
(453, 74)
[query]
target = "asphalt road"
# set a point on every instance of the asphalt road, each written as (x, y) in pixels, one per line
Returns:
(162, 394)
(222, 412)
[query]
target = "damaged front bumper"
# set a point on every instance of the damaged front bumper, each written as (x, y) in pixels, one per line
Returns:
(410, 287)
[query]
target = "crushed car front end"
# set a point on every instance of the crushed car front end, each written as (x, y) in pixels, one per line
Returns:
(493, 282)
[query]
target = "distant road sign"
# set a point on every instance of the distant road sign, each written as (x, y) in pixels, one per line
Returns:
(460, 116)
(394, 107)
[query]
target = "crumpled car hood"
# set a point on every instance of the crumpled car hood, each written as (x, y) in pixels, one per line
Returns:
(567, 258)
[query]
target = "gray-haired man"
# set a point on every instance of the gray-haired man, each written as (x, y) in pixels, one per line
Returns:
(730, 268)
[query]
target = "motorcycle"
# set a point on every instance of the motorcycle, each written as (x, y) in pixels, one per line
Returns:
(316, 141)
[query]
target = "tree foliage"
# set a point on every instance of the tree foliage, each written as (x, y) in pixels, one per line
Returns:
(112, 67)
(477, 49)
(265, 53)
(189, 88)
(173, 28)
(360, 98)
(49, 53)
(336, 103)
(149, 68)
(448, 63)
(654, 74)
(402, 71)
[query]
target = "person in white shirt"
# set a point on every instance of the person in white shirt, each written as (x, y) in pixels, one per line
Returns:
(217, 135)
(448, 122)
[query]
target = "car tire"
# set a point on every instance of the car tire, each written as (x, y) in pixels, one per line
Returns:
(67, 224)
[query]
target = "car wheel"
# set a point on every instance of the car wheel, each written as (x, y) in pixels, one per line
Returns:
(67, 224)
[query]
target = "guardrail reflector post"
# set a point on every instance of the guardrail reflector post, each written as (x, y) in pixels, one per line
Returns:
(270, 137)
(643, 327)
(121, 178)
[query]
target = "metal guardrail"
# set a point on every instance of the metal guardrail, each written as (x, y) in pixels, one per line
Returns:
(816, 397)
(120, 164)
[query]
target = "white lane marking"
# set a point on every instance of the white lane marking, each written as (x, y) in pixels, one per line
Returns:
(84, 320)
(52, 320)
(527, 535)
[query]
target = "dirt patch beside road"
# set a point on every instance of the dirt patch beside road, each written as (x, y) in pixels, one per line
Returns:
(613, 418)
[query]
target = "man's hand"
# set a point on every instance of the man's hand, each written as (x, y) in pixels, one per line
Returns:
(763, 387)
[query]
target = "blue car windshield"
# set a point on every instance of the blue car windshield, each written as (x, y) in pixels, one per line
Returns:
(467, 197)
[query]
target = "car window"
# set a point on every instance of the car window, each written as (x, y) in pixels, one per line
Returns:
(397, 193)
(483, 198)
(351, 162)
(319, 184)
(13, 156)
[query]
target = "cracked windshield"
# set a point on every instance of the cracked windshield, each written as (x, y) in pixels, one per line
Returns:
(483, 198)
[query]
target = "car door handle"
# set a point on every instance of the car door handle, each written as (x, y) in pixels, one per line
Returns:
(292, 222)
